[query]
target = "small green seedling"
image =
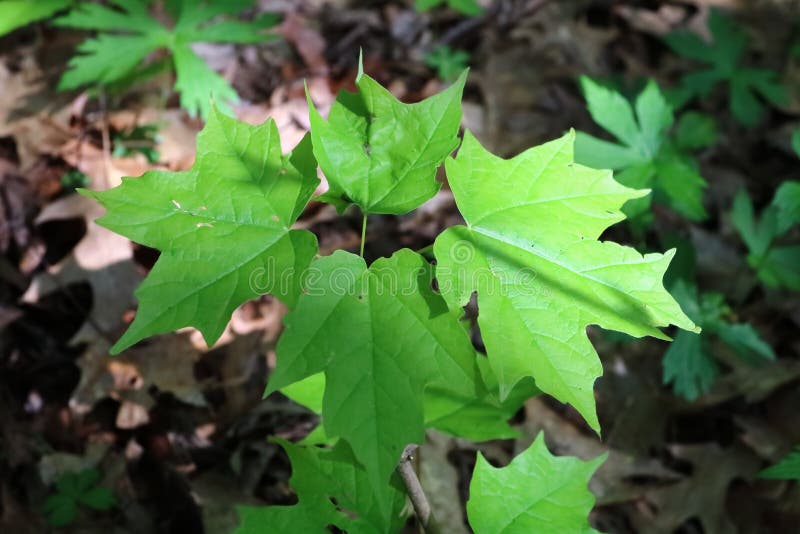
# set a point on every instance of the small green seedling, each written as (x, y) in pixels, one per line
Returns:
(775, 264)
(128, 35)
(74, 490)
(688, 363)
(447, 62)
(787, 469)
(18, 13)
(646, 155)
(747, 87)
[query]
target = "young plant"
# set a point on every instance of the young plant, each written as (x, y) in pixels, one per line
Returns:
(688, 363)
(647, 156)
(447, 62)
(775, 264)
(128, 34)
(470, 8)
(374, 348)
(18, 13)
(723, 55)
(74, 490)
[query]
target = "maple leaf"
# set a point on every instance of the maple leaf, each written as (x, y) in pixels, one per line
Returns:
(115, 57)
(18, 13)
(536, 492)
(381, 336)
(381, 154)
(647, 157)
(322, 477)
(223, 228)
(723, 57)
(530, 250)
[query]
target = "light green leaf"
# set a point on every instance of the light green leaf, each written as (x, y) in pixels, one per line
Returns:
(787, 469)
(613, 112)
(346, 324)
(796, 142)
(117, 57)
(320, 476)
(536, 492)
(646, 158)
(601, 154)
(223, 228)
(381, 154)
(470, 8)
(18, 13)
(198, 84)
(530, 250)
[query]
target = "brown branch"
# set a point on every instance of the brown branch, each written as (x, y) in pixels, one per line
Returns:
(415, 492)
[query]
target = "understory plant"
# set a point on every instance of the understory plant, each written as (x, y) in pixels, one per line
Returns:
(749, 88)
(774, 261)
(379, 349)
(649, 152)
(689, 364)
(128, 34)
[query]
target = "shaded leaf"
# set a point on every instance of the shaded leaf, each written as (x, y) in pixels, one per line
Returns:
(530, 250)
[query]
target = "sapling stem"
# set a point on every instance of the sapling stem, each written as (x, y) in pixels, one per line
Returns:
(363, 235)
(415, 492)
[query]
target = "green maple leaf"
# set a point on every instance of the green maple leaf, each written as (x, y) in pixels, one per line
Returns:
(128, 34)
(724, 57)
(530, 250)
(646, 156)
(458, 413)
(536, 492)
(787, 469)
(688, 363)
(381, 154)
(775, 264)
(321, 477)
(381, 335)
(447, 62)
(470, 8)
(18, 13)
(223, 228)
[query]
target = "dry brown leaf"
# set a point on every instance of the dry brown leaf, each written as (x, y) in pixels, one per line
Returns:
(102, 258)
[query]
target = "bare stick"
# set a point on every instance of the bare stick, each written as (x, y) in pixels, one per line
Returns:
(415, 492)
